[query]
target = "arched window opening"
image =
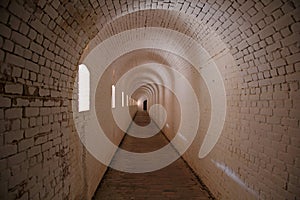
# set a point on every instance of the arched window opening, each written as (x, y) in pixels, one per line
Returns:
(113, 96)
(83, 88)
(122, 99)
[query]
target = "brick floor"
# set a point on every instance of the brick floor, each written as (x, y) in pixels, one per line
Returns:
(175, 181)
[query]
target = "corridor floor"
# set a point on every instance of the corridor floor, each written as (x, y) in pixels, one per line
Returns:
(175, 181)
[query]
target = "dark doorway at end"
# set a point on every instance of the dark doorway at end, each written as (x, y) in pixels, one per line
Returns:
(145, 105)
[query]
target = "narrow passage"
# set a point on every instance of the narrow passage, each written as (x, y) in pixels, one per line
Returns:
(175, 181)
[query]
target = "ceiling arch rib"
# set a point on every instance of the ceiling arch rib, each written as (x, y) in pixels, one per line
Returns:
(174, 20)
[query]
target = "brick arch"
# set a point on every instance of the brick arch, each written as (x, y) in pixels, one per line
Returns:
(41, 47)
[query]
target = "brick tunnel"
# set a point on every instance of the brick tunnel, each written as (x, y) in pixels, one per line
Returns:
(150, 99)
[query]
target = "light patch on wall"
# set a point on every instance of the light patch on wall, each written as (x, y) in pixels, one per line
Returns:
(83, 88)
(113, 96)
(182, 137)
(231, 174)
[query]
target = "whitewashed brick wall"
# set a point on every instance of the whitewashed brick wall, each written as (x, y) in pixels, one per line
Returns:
(43, 42)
